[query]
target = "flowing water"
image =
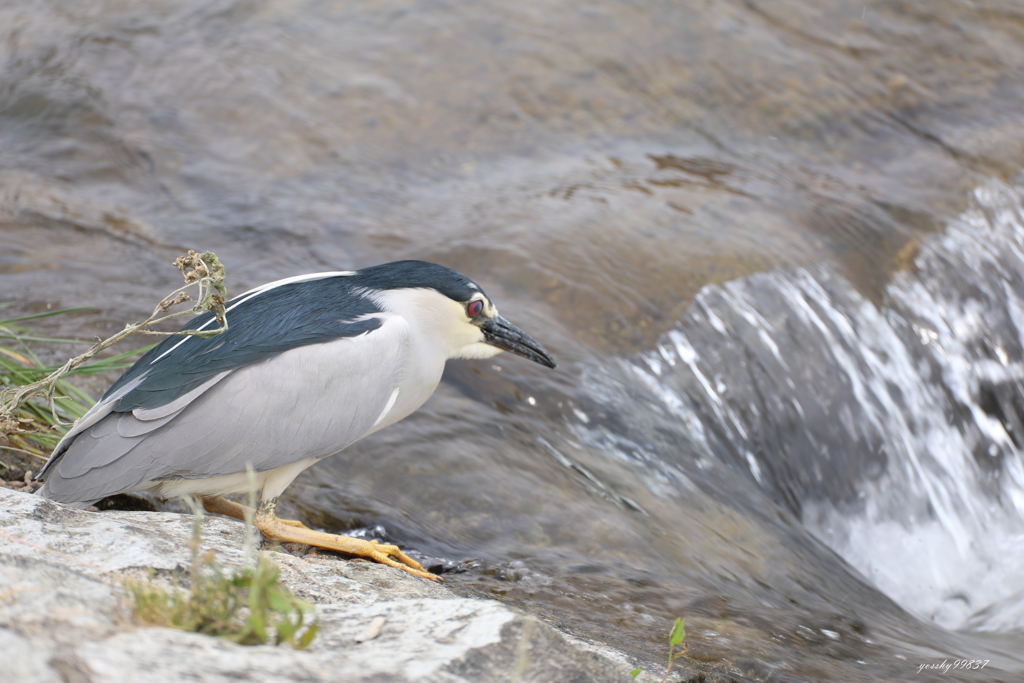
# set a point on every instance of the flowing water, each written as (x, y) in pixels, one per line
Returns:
(776, 247)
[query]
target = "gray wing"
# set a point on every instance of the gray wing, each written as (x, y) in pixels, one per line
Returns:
(310, 401)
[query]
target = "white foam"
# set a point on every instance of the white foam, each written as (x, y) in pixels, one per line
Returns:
(938, 532)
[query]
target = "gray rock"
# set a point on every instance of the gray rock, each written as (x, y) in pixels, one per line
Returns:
(63, 616)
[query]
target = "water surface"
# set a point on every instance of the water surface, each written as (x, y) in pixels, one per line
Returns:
(773, 245)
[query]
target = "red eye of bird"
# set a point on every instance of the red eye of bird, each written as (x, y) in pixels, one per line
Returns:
(474, 308)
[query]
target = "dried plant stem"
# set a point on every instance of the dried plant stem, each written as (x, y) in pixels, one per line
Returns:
(203, 271)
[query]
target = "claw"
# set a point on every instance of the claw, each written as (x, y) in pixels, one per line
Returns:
(275, 529)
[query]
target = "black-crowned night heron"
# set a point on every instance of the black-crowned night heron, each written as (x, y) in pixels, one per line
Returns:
(308, 366)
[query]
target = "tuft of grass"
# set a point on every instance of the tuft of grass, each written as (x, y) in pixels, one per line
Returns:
(247, 605)
(675, 639)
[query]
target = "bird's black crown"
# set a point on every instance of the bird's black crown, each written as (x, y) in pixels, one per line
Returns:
(410, 274)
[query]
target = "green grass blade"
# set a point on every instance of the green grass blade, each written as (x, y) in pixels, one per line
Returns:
(47, 314)
(43, 340)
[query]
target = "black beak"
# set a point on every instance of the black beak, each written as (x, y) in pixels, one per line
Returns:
(506, 336)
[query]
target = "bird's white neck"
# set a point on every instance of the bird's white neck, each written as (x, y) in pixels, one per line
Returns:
(438, 324)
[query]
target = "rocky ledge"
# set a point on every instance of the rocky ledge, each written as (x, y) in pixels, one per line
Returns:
(64, 618)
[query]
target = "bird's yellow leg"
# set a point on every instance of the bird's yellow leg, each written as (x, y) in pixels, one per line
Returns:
(222, 506)
(274, 529)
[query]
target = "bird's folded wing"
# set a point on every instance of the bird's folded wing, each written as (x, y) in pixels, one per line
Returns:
(309, 401)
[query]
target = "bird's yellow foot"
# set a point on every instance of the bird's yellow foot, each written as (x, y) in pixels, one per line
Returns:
(222, 506)
(274, 529)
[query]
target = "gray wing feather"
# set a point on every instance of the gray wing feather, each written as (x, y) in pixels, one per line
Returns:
(130, 425)
(95, 445)
(93, 417)
(311, 401)
(176, 405)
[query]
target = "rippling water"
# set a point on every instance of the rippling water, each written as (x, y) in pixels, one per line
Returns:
(894, 433)
(775, 247)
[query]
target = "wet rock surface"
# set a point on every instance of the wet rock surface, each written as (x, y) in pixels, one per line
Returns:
(62, 610)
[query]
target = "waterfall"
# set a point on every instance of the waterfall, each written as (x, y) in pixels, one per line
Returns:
(894, 431)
